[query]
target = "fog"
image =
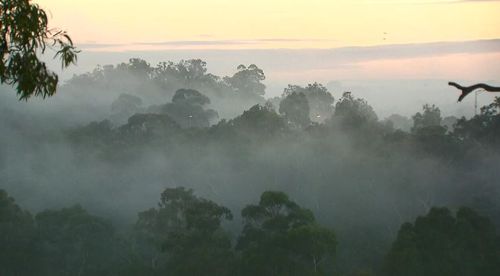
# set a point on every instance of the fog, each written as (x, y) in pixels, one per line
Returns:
(358, 174)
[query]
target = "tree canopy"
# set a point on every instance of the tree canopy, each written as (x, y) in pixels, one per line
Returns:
(188, 230)
(295, 108)
(281, 238)
(442, 244)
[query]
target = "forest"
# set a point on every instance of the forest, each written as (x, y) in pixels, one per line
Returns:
(177, 171)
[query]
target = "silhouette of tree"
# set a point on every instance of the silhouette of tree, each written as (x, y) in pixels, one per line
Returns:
(319, 99)
(188, 109)
(483, 128)
(295, 108)
(466, 90)
(353, 112)
(430, 117)
(188, 230)
(441, 244)
(281, 238)
(74, 242)
(17, 236)
(247, 81)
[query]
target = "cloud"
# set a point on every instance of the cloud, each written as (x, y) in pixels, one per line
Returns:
(198, 43)
(301, 58)
(477, 59)
(98, 45)
(187, 43)
(399, 51)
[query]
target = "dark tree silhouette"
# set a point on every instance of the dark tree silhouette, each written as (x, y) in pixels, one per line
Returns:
(466, 90)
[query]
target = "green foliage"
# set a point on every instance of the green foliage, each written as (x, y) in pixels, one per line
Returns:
(75, 243)
(229, 95)
(190, 96)
(281, 238)
(440, 244)
(319, 99)
(17, 238)
(186, 72)
(247, 81)
(57, 242)
(24, 33)
(429, 120)
(188, 109)
(188, 230)
(431, 137)
(295, 108)
(483, 128)
(313, 244)
(352, 112)
(257, 122)
(341, 168)
(141, 128)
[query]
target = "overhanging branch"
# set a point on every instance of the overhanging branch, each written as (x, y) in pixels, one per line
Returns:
(468, 89)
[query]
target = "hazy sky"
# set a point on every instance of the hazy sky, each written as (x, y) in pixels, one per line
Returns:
(395, 38)
(274, 24)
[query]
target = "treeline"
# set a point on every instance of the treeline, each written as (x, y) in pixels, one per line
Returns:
(360, 175)
(185, 235)
(229, 94)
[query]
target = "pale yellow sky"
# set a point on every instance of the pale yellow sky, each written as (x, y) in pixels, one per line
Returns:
(273, 23)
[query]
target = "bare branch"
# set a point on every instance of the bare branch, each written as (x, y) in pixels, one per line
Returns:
(468, 89)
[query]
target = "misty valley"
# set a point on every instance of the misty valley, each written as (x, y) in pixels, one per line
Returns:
(136, 169)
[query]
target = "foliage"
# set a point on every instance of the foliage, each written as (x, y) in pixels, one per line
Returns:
(429, 118)
(24, 35)
(358, 174)
(145, 127)
(295, 108)
(441, 244)
(352, 112)
(483, 128)
(247, 81)
(188, 109)
(281, 238)
(76, 243)
(57, 242)
(319, 98)
(17, 236)
(188, 230)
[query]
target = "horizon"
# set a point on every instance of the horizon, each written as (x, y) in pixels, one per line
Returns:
(439, 39)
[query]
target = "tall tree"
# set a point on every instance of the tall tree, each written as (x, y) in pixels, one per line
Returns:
(187, 229)
(248, 81)
(430, 117)
(281, 238)
(188, 109)
(295, 108)
(442, 244)
(319, 98)
(73, 242)
(17, 237)
(353, 112)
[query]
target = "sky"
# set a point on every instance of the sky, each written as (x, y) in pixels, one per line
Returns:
(273, 24)
(293, 40)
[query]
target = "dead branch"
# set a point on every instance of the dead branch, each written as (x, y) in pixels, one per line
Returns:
(468, 89)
